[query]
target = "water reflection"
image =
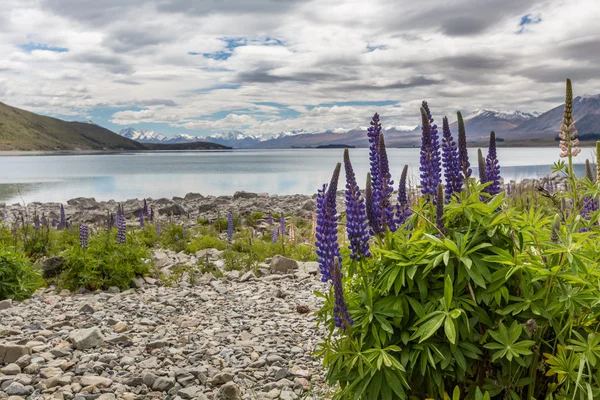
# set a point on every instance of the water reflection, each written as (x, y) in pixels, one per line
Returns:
(51, 177)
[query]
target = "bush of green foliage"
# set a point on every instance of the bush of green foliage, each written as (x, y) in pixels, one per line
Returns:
(18, 278)
(104, 263)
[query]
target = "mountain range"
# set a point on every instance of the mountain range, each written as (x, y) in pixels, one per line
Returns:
(512, 128)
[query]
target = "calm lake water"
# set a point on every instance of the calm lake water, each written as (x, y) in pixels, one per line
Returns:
(51, 177)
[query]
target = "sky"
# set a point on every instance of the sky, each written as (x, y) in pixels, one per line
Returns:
(265, 66)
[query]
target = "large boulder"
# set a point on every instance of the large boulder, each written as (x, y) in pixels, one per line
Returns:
(283, 265)
(207, 207)
(85, 203)
(244, 195)
(52, 267)
(229, 391)
(173, 209)
(193, 196)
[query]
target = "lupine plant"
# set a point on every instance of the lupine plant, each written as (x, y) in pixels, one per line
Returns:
(473, 299)
(356, 214)
(430, 157)
(451, 162)
(492, 167)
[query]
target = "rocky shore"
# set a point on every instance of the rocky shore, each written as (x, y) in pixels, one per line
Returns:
(239, 337)
(189, 208)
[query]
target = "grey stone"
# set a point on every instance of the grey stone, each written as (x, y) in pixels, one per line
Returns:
(283, 265)
(9, 353)
(193, 196)
(189, 392)
(17, 389)
(163, 384)
(5, 304)
(11, 369)
(244, 195)
(87, 338)
(52, 267)
(93, 380)
(229, 391)
(173, 209)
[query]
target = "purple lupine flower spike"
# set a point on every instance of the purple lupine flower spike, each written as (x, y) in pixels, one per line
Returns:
(230, 226)
(384, 190)
(373, 133)
(430, 158)
(83, 236)
(185, 232)
(36, 223)
(403, 207)
(451, 163)
(282, 225)
(327, 245)
(54, 223)
(369, 203)
(121, 236)
(463, 153)
(340, 310)
(274, 235)
(356, 216)
(141, 219)
(270, 219)
(62, 224)
(492, 168)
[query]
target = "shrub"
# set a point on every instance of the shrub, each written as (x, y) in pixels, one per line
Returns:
(18, 278)
(477, 298)
(105, 263)
(205, 242)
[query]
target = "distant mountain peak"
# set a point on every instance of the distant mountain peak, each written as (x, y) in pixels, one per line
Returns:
(514, 116)
(142, 136)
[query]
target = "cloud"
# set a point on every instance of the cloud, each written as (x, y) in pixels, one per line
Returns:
(263, 66)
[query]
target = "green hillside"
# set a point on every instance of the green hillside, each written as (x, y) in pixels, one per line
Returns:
(24, 130)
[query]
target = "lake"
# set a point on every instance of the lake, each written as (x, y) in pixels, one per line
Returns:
(50, 177)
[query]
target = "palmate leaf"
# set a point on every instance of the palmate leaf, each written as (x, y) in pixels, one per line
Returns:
(507, 344)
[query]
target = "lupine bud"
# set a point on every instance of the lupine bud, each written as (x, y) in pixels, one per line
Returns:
(451, 163)
(83, 236)
(373, 133)
(568, 144)
(327, 245)
(291, 233)
(403, 207)
(230, 226)
(356, 217)
(588, 171)
(555, 229)
(482, 172)
(340, 310)
(270, 220)
(439, 208)
(492, 168)
(185, 232)
(462, 147)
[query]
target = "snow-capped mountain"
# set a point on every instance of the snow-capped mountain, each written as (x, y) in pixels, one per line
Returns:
(142, 136)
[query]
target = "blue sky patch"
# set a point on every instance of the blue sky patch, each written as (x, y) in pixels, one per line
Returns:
(528, 19)
(31, 46)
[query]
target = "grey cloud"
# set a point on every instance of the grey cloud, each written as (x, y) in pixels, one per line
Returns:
(552, 74)
(259, 76)
(127, 82)
(464, 26)
(587, 49)
(417, 81)
(136, 38)
(227, 6)
(457, 18)
(114, 64)
(156, 102)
